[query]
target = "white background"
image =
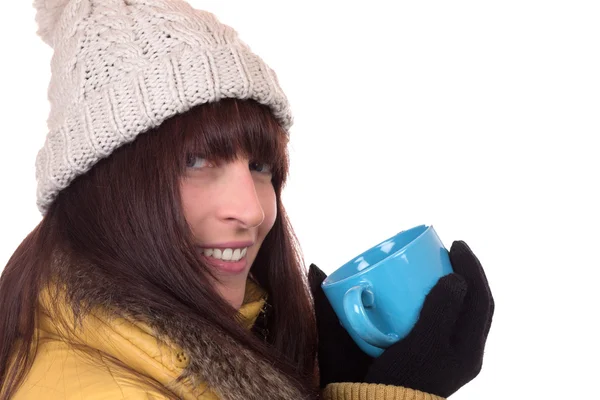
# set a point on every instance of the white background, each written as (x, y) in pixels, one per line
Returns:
(478, 117)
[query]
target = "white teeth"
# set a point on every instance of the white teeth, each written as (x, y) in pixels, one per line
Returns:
(226, 254)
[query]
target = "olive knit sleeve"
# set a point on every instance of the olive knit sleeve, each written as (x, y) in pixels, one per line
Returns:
(371, 391)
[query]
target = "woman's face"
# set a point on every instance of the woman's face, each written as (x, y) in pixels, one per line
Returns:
(230, 208)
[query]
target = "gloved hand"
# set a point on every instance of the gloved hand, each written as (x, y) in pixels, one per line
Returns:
(443, 351)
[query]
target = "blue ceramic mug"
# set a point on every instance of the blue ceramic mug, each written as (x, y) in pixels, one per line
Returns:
(379, 294)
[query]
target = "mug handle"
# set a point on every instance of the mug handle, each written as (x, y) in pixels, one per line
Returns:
(359, 320)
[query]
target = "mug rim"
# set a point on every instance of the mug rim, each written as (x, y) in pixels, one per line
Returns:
(370, 267)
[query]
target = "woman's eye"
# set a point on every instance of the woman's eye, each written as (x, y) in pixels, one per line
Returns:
(261, 167)
(196, 161)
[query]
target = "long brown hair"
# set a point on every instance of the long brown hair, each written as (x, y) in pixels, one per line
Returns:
(122, 221)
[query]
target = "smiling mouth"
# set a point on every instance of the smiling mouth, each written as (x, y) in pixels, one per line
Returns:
(228, 254)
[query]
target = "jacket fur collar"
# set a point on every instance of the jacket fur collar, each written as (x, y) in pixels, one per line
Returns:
(208, 372)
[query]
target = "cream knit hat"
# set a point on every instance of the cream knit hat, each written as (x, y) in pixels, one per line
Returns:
(121, 67)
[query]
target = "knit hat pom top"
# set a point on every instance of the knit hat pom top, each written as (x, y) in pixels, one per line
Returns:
(47, 16)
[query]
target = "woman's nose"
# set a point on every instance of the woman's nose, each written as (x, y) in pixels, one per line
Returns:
(240, 200)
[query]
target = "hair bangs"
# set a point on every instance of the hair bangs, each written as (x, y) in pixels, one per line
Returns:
(231, 128)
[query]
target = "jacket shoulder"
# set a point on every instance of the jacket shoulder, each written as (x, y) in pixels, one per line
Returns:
(62, 372)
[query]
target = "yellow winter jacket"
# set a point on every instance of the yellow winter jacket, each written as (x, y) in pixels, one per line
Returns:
(92, 372)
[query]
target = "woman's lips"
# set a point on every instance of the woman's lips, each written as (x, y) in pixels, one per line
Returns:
(232, 267)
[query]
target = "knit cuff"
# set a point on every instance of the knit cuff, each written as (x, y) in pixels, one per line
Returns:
(371, 391)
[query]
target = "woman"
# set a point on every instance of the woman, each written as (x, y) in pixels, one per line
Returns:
(164, 266)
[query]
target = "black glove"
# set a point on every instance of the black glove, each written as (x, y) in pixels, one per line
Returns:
(443, 351)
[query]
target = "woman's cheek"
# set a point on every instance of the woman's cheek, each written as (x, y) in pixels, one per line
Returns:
(269, 206)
